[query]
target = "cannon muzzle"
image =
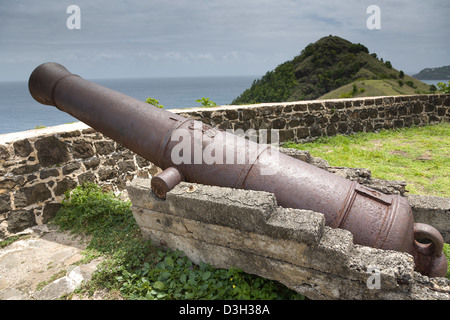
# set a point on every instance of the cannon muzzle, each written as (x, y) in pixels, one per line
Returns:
(189, 150)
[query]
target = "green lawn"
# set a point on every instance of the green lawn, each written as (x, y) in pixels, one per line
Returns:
(419, 155)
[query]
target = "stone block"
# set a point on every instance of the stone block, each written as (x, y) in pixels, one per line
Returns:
(50, 210)
(86, 177)
(44, 174)
(4, 154)
(293, 224)
(104, 147)
(302, 133)
(5, 203)
(279, 123)
(26, 169)
(22, 148)
(82, 149)
(291, 246)
(434, 211)
(64, 185)
(231, 114)
(106, 174)
(126, 166)
(92, 163)
(51, 151)
(71, 167)
(248, 114)
(35, 194)
(19, 220)
(244, 209)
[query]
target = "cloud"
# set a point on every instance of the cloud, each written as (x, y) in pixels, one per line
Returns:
(207, 36)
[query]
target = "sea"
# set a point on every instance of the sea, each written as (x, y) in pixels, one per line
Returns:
(20, 112)
(435, 82)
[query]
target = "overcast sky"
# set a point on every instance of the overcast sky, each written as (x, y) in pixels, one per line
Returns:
(155, 38)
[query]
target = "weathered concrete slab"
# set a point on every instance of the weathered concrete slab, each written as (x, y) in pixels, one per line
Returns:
(294, 247)
(43, 253)
(434, 211)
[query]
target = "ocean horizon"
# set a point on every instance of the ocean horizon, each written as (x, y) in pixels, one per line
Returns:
(20, 112)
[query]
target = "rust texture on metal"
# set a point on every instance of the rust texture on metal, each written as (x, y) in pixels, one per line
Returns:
(166, 181)
(375, 219)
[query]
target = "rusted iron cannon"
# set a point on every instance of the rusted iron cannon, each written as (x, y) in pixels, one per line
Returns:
(189, 150)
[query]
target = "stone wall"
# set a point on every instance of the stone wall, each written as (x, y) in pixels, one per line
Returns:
(307, 120)
(38, 166)
(246, 229)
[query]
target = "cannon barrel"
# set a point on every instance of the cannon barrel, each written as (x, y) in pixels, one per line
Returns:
(189, 150)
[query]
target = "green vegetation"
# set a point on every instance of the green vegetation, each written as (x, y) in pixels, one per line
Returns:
(375, 88)
(154, 102)
(355, 91)
(61, 273)
(205, 102)
(447, 255)
(445, 88)
(135, 269)
(324, 66)
(441, 73)
(418, 155)
(9, 240)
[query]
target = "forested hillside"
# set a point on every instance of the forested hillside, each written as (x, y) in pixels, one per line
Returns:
(321, 67)
(441, 73)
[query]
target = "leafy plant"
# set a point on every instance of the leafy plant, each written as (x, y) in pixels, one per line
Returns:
(174, 276)
(445, 88)
(206, 102)
(154, 102)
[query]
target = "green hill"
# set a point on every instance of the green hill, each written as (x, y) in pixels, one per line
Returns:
(327, 65)
(441, 73)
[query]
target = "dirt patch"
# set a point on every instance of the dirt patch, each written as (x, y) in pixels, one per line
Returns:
(425, 157)
(377, 143)
(399, 153)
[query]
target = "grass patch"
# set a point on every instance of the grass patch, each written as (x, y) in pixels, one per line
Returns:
(12, 239)
(418, 155)
(135, 269)
(446, 251)
(380, 87)
(56, 276)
